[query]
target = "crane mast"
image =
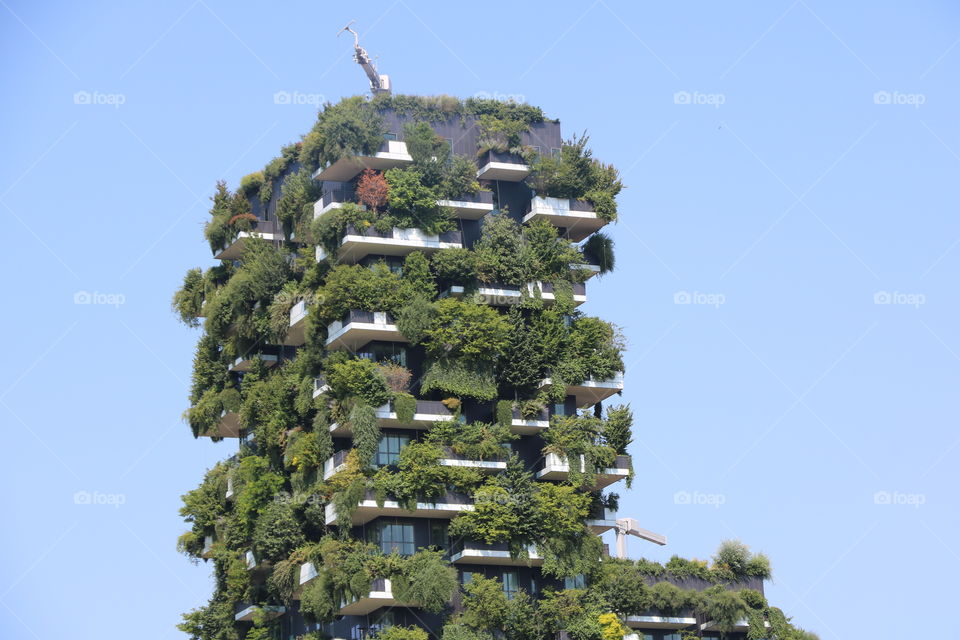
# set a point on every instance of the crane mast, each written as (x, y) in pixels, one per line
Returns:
(378, 83)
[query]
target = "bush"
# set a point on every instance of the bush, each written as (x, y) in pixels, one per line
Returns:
(598, 250)
(454, 266)
(505, 413)
(463, 330)
(733, 555)
(405, 406)
(345, 129)
(396, 632)
(460, 379)
(372, 190)
(358, 378)
(426, 580)
(455, 630)
(413, 204)
(188, 300)
(415, 319)
(277, 533)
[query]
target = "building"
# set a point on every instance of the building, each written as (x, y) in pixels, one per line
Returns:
(395, 338)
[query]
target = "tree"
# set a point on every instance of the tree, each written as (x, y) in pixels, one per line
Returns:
(373, 190)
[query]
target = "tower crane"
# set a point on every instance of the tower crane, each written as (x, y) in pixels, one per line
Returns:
(378, 83)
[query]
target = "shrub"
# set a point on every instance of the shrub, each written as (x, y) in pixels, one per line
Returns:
(345, 129)
(277, 532)
(358, 378)
(500, 253)
(366, 433)
(485, 604)
(188, 300)
(396, 632)
(460, 379)
(725, 608)
(471, 331)
(734, 556)
(426, 580)
(397, 376)
(617, 428)
(413, 204)
(405, 406)
(454, 266)
(455, 630)
(758, 566)
(598, 250)
(505, 413)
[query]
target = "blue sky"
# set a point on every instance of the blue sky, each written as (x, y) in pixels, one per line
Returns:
(788, 166)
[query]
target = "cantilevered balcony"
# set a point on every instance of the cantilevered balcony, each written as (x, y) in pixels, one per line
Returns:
(556, 467)
(357, 328)
(228, 426)
(473, 552)
(297, 333)
(452, 459)
(504, 295)
(335, 464)
(381, 595)
(333, 199)
(525, 426)
(392, 153)
(589, 270)
(426, 413)
(359, 243)
(590, 391)
(470, 206)
(207, 547)
(233, 249)
(320, 386)
(601, 519)
(576, 217)
(445, 506)
(497, 165)
(548, 294)
(245, 362)
(654, 621)
(740, 626)
(247, 614)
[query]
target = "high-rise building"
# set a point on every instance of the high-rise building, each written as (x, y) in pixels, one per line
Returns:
(427, 417)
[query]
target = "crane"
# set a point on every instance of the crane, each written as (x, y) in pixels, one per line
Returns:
(378, 83)
(629, 526)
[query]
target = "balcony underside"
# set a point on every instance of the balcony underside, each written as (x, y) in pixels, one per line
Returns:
(466, 210)
(356, 334)
(234, 250)
(356, 247)
(578, 224)
(227, 427)
(659, 622)
(346, 169)
(506, 171)
(602, 479)
(367, 510)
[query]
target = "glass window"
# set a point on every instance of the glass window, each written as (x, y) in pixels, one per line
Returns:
(389, 135)
(388, 451)
(555, 152)
(395, 536)
(575, 582)
(510, 584)
(381, 621)
(438, 535)
(466, 577)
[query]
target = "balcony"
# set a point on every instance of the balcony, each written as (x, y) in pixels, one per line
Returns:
(207, 547)
(381, 595)
(556, 467)
(589, 270)
(228, 426)
(392, 153)
(473, 552)
(548, 292)
(233, 249)
(741, 626)
(591, 391)
(497, 165)
(470, 206)
(270, 611)
(446, 506)
(426, 413)
(245, 362)
(660, 622)
(453, 459)
(333, 199)
(504, 295)
(528, 426)
(497, 295)
(576, 217)
(296, 334)
(601, 520)
(357, 328)
(320, 386)
(359, 243)
(335, 464)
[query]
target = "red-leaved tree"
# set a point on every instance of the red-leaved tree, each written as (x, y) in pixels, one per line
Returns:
(372, 190)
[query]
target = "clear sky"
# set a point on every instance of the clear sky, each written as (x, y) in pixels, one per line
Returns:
(791, 167)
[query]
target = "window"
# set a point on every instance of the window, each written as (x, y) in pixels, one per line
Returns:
(536, 149)
(388, 451)
(466, 578)
(394, 536)
(438, 535)
(555, 152)
(575, 582)
(510, 584)
(382, 621)
(389, 135)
